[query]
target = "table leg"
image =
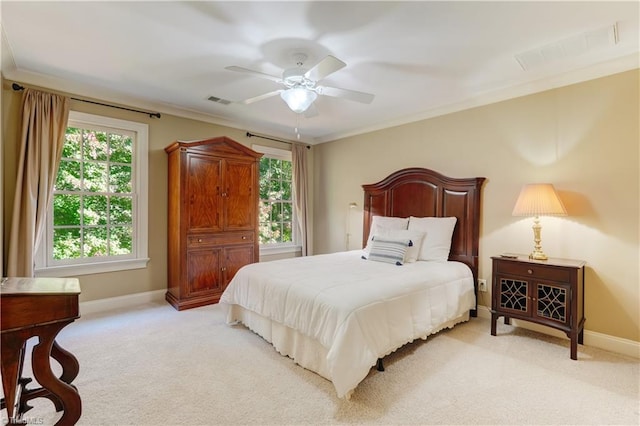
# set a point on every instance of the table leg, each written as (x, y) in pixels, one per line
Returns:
(70, 369)
(574, 346)
(69, 363)
(12, 351)
(66, 393)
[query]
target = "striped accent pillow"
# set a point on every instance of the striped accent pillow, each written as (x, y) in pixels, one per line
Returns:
(388, 250)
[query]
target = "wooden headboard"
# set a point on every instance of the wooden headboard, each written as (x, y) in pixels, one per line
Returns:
(423, 192)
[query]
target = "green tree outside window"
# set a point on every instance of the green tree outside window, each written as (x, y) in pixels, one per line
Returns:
(93, 195)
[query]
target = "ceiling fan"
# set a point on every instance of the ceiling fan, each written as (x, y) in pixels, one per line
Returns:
(301, 86)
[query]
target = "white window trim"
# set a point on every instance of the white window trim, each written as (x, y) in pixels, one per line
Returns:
(277, 153)
(140, 258)
(278, 248)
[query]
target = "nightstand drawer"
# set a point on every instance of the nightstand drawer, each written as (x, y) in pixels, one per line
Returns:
(533, 270)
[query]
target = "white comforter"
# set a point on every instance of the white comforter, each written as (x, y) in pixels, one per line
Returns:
(358, 310)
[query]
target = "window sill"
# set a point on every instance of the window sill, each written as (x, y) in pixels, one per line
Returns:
(280, 249)
(91, 268)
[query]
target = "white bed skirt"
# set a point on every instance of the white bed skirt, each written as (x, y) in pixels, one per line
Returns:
(303, 350)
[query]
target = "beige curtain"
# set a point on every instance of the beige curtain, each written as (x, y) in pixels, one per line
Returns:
(300, 191)
(44, 123)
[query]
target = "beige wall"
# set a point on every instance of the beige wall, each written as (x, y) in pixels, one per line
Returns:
(161, 133)
(582, 138)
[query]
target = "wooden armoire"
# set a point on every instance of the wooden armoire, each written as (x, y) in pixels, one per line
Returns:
(212, 218)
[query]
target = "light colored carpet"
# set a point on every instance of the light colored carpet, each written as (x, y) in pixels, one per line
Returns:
(155, 366)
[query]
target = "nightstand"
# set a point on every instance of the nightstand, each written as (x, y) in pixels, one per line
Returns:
(547, 292)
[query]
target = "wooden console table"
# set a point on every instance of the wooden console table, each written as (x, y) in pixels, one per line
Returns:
(38, 307)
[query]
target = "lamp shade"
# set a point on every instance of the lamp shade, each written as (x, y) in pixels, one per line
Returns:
(298, 98)
(539, 199)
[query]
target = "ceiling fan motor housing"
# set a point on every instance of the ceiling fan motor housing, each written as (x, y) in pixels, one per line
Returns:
(294, 77)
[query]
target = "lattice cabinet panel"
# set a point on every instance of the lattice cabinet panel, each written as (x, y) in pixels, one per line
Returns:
(551, 302)
(513, 295)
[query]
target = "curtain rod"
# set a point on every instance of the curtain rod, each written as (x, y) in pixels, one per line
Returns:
(251, 135)
(17, 87)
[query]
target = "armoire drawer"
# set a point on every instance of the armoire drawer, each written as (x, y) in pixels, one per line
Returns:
(204, 240)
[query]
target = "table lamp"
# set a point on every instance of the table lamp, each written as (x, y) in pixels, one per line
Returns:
(538, 199)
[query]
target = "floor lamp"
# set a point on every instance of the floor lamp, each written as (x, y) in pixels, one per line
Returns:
(352, 206)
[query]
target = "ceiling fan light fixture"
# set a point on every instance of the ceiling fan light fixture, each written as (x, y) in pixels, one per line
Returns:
(298, 98)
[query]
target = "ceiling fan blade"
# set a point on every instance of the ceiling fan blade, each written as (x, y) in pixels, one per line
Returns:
(352, 95)
(255, 73)
(327, 66)
(260, 97)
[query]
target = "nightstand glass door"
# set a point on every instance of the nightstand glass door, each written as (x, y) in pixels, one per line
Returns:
(514, 295)
(552, 302)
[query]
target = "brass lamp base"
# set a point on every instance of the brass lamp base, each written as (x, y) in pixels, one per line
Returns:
(537, 253)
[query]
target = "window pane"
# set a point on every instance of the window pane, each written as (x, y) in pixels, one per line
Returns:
(287, 214)
(286, 190)
(276, 212)
(275, 188)
(95, 210)
(95, 242)
(264, 168)
(95, 177)
(68, 178)
(120, 210)
(287, 172)
(120, 177)
(121, 148)
(72, 143)
(66, 210)
(275, 232)
(66, 243)
(276, 169)
(287, 233)
(264, 211)
(121, 241)
(95, 145)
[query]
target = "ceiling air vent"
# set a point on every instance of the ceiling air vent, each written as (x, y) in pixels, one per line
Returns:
(219, 100)
(569, 47)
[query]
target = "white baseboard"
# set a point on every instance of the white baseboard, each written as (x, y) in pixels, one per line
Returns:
(126, 301)
(591, 338)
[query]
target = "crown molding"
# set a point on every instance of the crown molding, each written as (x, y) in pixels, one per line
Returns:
(603, 69)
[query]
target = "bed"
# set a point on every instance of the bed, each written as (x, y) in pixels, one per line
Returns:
(339, 314)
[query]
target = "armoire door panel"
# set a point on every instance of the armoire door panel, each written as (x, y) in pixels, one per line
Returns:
(240, 195)
(236, 258)
(203, 272)
(204, 186)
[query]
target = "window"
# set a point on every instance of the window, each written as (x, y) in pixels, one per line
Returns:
(276, 215)
(97, 220)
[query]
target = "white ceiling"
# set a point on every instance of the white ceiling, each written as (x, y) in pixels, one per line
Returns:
(420, 59)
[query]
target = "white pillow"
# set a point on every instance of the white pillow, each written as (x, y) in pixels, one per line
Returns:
(436, 244)
(379, 223)
(414, 237)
